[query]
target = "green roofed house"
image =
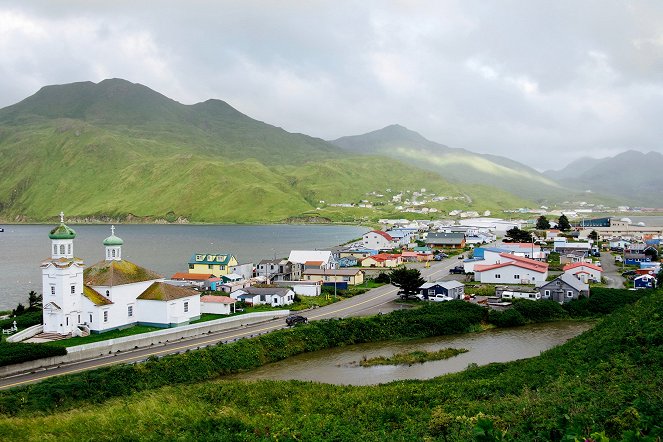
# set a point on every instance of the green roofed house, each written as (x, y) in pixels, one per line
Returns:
(217, 264)
(111, 294)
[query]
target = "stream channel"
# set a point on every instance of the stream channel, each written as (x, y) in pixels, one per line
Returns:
(341, 365)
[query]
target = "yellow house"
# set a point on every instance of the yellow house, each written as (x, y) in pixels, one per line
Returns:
(215, 264)
(350, 276)
(382, 260)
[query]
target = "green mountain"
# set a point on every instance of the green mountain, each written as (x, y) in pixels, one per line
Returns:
(632, 175)
(460, 165)
(121, 150)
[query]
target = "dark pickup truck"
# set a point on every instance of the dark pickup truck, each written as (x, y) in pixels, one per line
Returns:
(458, 270)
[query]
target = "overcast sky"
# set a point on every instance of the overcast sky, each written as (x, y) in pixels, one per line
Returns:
(543, 82)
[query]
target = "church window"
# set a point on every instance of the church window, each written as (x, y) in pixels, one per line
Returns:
(73, 289)
(130, 310)
(113, 253)
(210, 266)
(69, 249)
(105, 315)
(186, 306)
(61, 249)
(55, 249)
(191, 266)
(79, 319)
(107, 293)
(52, 290)
(67, 320)
(90, 318)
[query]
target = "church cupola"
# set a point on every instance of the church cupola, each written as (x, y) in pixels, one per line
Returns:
(62, 240)
(113, 247)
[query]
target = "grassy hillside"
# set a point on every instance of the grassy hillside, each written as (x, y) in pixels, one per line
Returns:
(117, 149)
(608, 380)
(462, 166)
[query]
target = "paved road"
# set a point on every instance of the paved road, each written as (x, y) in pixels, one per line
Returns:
(380, 300)
(612, 272)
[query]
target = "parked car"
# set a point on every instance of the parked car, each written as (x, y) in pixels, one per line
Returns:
(618, 258)
(295, 319)
(440, 298)
(629, 273)
(458, 270)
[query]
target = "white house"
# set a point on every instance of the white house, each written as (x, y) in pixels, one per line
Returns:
(310, 259)
(584, 271)
(217, 305)
(511, 270)
(113, 293)
(274, 296)
(379, 240)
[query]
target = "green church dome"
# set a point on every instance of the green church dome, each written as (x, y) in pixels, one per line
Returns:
(113, 240)
(62, 232)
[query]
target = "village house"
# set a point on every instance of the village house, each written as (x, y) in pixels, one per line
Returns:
(511, 269)
(274, 270)
(644, 282)
(584, 271)
(389, 260)
(379, 240)
(216, 264)
(217, 305)
(564, 288)
(441, 240)
(309, 260)
(274, 296)
(347, 261)
(349, 276)
(452, 289)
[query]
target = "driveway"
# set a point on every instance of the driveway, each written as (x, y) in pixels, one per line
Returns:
(611, 271)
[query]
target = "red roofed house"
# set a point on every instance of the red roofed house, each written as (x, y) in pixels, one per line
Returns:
(382, 260)
(217, 305)
(584, 271)
(192, 279)
(379, 240)
(511, 269)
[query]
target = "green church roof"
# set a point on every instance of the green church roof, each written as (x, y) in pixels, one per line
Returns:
(62, 232)
(113, 241)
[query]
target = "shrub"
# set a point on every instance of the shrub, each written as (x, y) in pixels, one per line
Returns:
(17, 352)
(508, 318)
(539, 311)
(27, 319)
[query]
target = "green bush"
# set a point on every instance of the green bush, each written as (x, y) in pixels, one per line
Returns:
(508, 318)
(17, 352)
(539, 311)
(601, 302)
(27, 319)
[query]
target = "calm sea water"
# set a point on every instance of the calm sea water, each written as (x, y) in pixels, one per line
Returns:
(165, 249)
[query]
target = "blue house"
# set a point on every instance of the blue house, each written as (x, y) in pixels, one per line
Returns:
(348, 261)
(645, 282)
(636, 258)
(453, 289)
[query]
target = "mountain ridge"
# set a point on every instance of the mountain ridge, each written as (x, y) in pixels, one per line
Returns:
(116, 148)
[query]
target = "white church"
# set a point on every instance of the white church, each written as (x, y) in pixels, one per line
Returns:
(111, 294)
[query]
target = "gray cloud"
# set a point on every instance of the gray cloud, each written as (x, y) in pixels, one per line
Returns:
(528, 80)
